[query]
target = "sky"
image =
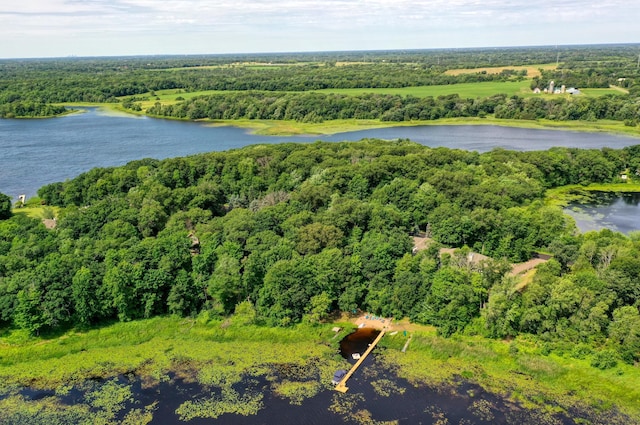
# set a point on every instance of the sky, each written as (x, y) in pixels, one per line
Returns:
(60, 28)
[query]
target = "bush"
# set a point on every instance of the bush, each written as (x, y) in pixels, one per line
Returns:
(581, 351)
(605, 359)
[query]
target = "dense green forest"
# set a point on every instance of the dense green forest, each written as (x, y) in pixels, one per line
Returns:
(295, 231)
(319, 107)
(29, 87)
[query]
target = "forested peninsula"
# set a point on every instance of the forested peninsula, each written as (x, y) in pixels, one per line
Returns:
(387, 86)
(280, 236)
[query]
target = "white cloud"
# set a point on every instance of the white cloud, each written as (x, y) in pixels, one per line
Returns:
(253, 25)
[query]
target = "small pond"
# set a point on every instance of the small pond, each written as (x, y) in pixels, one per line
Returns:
(619, 212)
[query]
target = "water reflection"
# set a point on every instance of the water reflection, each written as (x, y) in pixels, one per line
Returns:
(356, 343)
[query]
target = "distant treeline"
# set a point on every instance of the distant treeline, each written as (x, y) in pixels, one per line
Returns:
(29, 109)
(106, 86)
(291, 232)
(108, 79)
(318, 107)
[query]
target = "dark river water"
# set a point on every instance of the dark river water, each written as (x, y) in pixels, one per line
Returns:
(36, 152)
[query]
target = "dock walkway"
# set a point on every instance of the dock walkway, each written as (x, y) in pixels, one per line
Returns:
(342, 384)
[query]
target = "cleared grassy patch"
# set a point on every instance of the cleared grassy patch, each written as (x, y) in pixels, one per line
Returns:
(600, 92)
(532, 70)
(472, 90)
(39, 212)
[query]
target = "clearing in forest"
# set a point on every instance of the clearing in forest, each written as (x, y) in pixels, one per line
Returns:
(532, 70)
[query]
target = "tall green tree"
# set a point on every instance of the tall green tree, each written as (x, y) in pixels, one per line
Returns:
(5, 206)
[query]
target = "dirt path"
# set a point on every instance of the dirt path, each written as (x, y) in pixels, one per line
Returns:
(520, 268)
(421, 243)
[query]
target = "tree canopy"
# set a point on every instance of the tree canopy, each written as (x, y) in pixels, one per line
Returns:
(286, 233)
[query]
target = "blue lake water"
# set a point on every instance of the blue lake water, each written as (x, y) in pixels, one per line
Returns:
(619, 212)
(36, 152)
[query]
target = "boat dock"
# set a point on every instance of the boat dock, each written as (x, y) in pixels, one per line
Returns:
(342, 387)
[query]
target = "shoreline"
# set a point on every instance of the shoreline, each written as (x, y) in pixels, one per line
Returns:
(294, 128)
(154, 348)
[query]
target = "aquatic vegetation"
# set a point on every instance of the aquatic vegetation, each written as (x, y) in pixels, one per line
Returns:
(482, 409)
(296, 392)
(229, 401)
(16, 409)
(386, 387)
(107, 403)
(110, 399)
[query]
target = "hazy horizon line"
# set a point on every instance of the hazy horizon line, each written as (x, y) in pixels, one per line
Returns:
(292, 52)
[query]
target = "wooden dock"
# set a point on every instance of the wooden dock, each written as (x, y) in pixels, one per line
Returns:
(342, 384)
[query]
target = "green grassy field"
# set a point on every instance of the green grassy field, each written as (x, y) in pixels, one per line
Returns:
(466, 90)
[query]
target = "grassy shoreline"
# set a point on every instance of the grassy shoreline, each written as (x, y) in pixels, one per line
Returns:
(291, 128)
(294, 128)
(201, 350)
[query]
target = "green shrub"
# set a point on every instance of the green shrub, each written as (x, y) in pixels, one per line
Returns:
(605, 359)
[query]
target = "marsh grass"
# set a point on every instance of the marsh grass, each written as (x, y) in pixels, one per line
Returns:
(347, 406)
(297, 363)
(387, 388)
(552, 383)
(105, 403)
(291, 128)
(564, 195)
(152, 346)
